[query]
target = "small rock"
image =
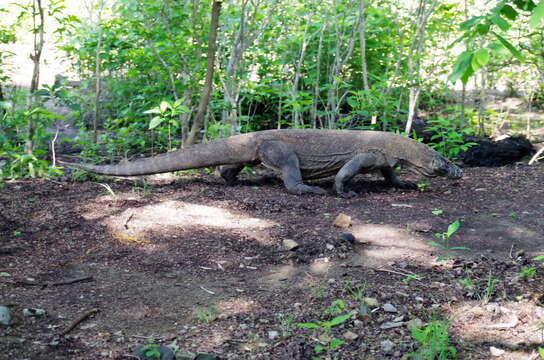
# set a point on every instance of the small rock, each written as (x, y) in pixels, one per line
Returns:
(391, 325)
(34, 312)
(387, 345)
(390, 308)
(244, 326)
(496, 351)
(421, 226)
(398, 318)
(329, 247)
(371, 302)
(347, 237)
(349, 335)
(415, 323)
(342, 220)
(290, 244)
(273, 334)
(186, 356)
(419, 299)
(5, 316)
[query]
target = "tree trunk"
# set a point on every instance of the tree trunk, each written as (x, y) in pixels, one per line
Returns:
(206, 91)
(37, 10)
(97, 73)
(362, 41)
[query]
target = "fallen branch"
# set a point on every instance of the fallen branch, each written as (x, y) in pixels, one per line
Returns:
(537, 157)
(79, 320)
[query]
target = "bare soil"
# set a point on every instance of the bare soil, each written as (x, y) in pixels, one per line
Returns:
(188, 262)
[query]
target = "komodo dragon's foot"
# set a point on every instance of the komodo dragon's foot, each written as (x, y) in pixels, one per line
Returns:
(306, 189)
(347, 195)
(406, 185)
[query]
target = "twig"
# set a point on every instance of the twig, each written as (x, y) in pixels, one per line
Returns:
(71, 281)
(53, 148)
(128, 219)
(395, 272)
(536, 157)
(79, 320)
(206, 290)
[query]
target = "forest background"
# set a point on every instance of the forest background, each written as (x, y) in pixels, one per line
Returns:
(148, 76)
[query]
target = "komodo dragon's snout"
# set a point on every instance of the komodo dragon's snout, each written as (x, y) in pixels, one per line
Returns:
(440, 166)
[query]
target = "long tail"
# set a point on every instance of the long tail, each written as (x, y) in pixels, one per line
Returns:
(233, 150)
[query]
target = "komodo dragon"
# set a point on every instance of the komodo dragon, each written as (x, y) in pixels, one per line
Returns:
(299, 154)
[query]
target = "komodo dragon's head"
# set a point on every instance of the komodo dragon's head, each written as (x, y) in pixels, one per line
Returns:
(433, 164)
(426, 161)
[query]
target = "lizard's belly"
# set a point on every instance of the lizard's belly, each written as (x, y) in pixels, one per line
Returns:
(320, 166)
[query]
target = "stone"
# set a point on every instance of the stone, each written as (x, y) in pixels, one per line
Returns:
(391, 325)
(390, 308)
(34, 312)
(273, 334)
(342, 221)
(371, 302)
(350, 335)
(347, 237)
(5, 316)
(387, 346)
(496, 351)
(415, 323)
(290, 244)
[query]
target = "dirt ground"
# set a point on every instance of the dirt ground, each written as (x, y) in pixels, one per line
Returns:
(191, 263)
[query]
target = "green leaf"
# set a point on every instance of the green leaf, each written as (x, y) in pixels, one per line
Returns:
(453, 227)
(309, 325)
(500, 22)
(509, 46)
(434, 243)
(318, 349)
(509, 12)
(479, 59)
(337, 320)
(537, 15)
(152, 111)
(460, 248)
(482, 29)
(164, 105)
(538, 258)
(527, 5)
(461, 66)
(465, 25)
(541, 352)
(41, 92)
(335, 343)
(156, 121)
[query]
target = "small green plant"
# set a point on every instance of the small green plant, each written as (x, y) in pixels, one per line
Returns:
(437, 212)
(422, 185)
(541, 352)
(205, 315)
(444, 241)
(325, 327)
(150, 351)
(336, 307)
(467, 283)
(285, 323)
(16, 233)
(434, 342)
(447, 136)
(489, 289)
(539, 258)
(141, 187)
(408, 278)
(357, 292)
(167, 113)
(527, 272)
(108, 188)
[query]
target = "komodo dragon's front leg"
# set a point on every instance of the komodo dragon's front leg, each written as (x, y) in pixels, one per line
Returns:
(278, 156)
(230, 172)
(393, 180)
(359, 164)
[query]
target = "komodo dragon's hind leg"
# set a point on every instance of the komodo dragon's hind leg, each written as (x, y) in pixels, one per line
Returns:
(393, 180)
(230, 172)
(278, 156)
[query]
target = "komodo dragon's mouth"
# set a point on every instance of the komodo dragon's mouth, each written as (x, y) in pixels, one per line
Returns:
(439, 167)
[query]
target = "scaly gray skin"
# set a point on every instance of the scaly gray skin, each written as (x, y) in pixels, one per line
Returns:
(298, 155)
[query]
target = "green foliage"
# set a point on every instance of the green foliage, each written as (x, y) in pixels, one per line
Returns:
(443, 241)
(527, 272)
(150, 351)
(336, 307)
(434, 342)
(447, 137)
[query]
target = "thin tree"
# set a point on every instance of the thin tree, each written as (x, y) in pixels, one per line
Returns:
(208, 82)
(38, 30)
